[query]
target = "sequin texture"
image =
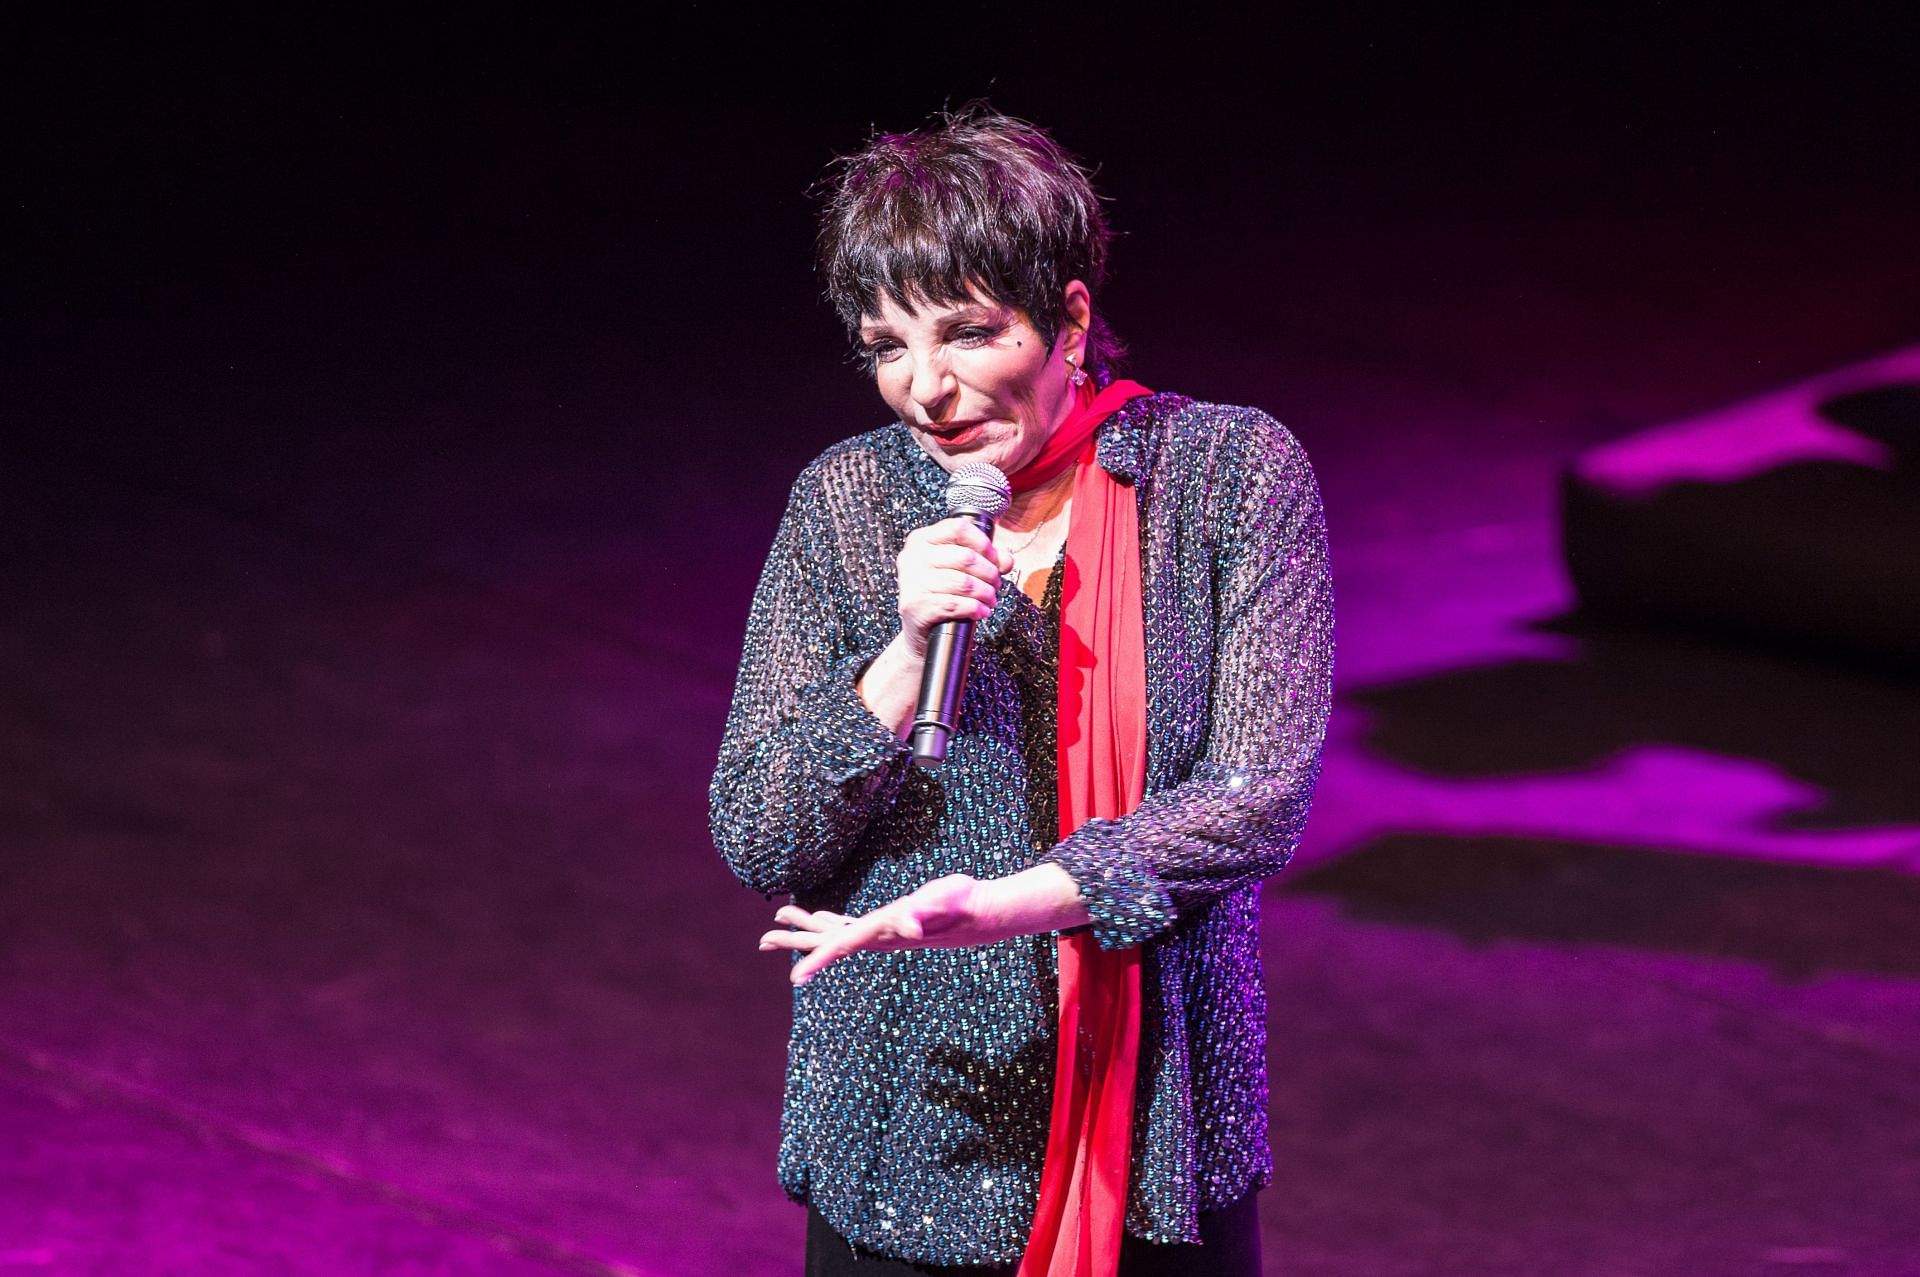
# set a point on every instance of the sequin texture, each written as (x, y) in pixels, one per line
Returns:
(918, 1083)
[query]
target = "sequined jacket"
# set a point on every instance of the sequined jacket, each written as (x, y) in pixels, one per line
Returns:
(918, 1082)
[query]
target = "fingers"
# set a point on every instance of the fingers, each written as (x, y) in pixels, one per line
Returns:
(825, 952)
(948, 571)
(959, 584)
(958, 531)
(967, 535)
(870, 930)
(803, 929)
(791, 941)
(816, 920)
(963, 535)
(960, 558)
(957, 543)
(949, 607)
(939, 913)
(894, 927)
(979, 562)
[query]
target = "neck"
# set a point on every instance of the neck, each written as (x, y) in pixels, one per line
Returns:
(1031, 508)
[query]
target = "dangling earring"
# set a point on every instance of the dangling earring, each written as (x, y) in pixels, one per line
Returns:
(1076, 375)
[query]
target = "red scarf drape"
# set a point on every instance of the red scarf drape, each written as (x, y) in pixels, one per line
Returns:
(1103, 772)
(1068, 443)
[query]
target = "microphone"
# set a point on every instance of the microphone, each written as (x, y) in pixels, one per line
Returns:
(979, 492)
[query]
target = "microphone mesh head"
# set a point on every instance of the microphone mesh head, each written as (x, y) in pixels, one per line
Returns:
(978, 488)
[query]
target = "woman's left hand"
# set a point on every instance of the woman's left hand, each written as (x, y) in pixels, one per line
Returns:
(940, 915)
(947, 913)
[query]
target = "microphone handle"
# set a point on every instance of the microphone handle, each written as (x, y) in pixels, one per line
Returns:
(943, 680)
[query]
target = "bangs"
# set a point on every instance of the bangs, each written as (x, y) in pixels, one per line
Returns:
(981, 206)
(921, 242)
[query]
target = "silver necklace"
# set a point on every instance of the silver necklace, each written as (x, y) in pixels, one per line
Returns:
(1032, 536)
(1018, 574)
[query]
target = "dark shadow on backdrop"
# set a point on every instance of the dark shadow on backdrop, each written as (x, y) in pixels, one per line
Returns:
(1816, 554)
(1849, 731)
(1801, 921)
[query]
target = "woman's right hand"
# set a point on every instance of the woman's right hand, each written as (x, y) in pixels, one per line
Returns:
(949, 571)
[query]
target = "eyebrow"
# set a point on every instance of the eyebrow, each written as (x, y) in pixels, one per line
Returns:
(970, 310)
(959, 314)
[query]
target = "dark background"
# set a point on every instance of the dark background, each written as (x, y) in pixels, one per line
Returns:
(305, 252)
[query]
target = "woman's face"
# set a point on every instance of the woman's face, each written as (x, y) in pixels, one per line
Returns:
(974, 381)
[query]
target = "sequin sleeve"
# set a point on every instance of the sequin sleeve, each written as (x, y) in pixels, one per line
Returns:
(1238, 814)
(804, 765)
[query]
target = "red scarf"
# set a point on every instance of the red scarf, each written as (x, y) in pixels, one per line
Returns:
(1102, 726)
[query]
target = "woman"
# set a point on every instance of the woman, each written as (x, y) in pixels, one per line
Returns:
(1029, 1028)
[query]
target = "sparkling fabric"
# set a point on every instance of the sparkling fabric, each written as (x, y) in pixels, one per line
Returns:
(919, 1083)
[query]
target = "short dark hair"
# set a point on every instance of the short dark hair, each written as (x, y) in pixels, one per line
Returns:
(975, 199)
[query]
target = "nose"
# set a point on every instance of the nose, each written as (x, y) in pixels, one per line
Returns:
(932, 384)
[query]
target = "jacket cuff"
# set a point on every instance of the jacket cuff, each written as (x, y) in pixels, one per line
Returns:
(1129, 903)
(853, 749)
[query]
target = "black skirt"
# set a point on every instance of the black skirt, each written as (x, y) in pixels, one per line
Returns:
(1229, 1246)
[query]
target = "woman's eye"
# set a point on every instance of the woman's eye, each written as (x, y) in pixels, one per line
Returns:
(974, 336)
(881, 352)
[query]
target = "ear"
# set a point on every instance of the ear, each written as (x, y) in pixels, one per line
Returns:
(1078, 303)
